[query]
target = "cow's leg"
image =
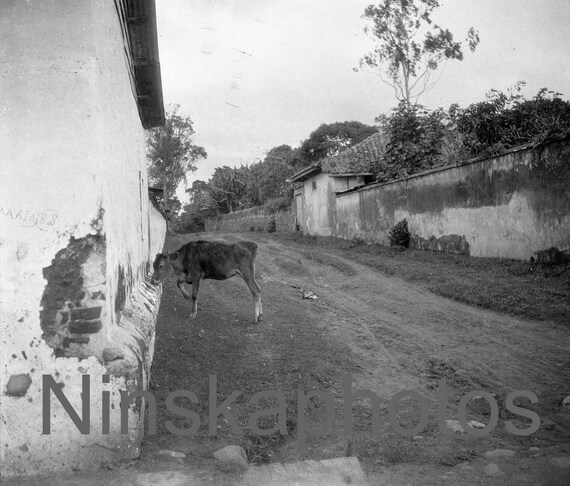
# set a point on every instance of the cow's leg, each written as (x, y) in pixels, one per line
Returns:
(180, 285)
(249, 276)
(195, 290)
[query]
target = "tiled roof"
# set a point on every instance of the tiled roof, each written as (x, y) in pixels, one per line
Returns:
(363, 158)
(306, 173)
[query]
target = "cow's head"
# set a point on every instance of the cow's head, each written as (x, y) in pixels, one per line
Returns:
(162, 267)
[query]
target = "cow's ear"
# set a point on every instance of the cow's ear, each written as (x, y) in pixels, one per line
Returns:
(173, 256)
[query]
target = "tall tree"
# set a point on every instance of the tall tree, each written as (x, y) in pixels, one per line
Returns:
(330, 139)
(274, 172)
(409, 46)
(225, 191)
(171, 153)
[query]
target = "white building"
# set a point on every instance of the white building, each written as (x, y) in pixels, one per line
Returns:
(80, 83)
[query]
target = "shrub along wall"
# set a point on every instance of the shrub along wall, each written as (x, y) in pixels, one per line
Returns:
(253, 219)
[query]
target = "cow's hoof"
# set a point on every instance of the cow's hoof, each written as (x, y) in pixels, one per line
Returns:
(193, 316)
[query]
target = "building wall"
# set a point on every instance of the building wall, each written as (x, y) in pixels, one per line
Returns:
(508, 207)
(157, 231)
(317, 197)
(76, 234)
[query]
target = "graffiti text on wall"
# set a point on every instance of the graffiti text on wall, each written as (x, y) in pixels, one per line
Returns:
(30, 218)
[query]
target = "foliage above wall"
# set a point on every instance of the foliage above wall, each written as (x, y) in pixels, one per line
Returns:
(419, 139)
(415, 140)
(506, 120)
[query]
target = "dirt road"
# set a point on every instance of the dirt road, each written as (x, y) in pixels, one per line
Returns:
(390, 336)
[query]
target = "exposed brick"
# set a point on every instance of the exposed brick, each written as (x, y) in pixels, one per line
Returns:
(110, 354)
(86, 313)
(75, 340)
(85, 327)
(64, 289)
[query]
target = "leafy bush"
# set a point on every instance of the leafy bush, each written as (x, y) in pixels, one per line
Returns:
(507, 120)
(400, 235)
(419, 139)
(277, 204)
(415, 140)
(188, 222)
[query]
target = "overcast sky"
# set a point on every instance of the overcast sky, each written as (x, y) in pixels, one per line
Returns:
(255, 74)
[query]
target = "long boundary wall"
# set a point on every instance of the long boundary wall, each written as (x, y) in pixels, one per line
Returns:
(508, 206)
(253, 219)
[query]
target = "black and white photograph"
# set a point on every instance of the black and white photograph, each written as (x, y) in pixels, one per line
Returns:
(284, 242)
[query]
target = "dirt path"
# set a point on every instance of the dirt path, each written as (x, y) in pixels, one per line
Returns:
(390, 336)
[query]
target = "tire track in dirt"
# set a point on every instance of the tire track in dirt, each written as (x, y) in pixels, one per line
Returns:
(406, 324)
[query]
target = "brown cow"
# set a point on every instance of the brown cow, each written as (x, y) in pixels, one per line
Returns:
(208, 259)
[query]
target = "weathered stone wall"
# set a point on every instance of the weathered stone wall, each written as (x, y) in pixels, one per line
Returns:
(508, 206)
(77, 237)
(253, 219)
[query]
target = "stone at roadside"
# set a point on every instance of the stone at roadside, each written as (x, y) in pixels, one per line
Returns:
(476, 425)
(174, 454)
(492, 470)
(499, 453)
(231, 458)
(341, 471)
(454, 425)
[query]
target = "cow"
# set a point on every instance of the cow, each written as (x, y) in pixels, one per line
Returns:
(209, 259)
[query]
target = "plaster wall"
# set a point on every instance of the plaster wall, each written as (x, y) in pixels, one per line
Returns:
(157, 232)
(318, 202)
(76, 236)
(508, 207)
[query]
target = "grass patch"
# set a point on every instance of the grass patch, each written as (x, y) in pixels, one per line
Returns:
(514, 287)
(392, 449)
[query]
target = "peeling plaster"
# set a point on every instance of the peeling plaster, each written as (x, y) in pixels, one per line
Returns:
(69, 314)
